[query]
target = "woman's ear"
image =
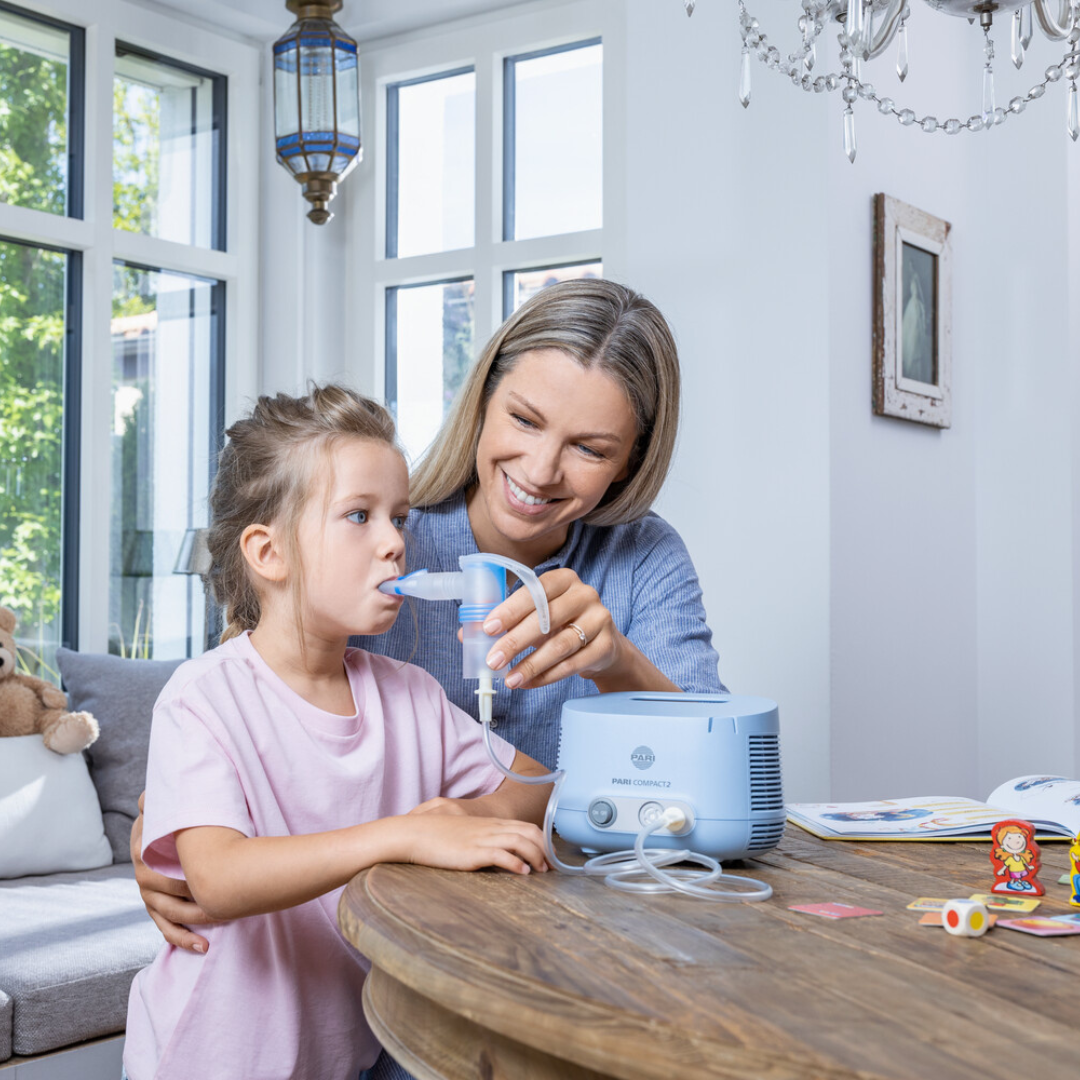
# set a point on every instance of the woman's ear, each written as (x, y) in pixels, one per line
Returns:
(259, 546)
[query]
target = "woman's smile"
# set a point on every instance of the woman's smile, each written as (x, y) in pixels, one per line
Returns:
(521, 500)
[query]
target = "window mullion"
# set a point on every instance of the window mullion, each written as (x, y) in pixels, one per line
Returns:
(442, 266)
(96, 405)
(40, 227)
(488, 212)
(168, 255)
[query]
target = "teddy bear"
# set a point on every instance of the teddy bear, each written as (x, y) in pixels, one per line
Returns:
(30, 706)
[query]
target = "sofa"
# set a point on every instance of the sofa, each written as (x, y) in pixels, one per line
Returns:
(71, 940)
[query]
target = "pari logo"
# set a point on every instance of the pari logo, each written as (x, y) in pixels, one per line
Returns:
(642, 757)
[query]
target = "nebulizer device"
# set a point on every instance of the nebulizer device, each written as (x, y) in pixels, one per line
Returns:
(480, 585)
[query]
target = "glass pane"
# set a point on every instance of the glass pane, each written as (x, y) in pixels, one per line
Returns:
(164, 333)
(558, 143)
(32, 334)
(317, 87)
(436, 166)
(430, 351)
(34, 96)
(522, 284)
(164, 152)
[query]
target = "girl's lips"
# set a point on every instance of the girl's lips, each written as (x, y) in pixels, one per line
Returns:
(532, 509)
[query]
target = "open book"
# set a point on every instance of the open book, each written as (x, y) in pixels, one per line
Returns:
(1050, 803)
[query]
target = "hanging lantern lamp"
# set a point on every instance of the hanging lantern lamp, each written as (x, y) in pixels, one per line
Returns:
(317, 102)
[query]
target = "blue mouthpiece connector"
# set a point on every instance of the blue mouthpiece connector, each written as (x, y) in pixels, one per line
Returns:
(481, 587)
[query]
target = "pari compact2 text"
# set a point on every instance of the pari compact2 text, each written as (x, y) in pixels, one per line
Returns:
(481, 587)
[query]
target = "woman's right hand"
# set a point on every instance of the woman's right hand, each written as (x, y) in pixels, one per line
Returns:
(168, 900)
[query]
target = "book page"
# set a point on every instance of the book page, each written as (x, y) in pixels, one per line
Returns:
(1041, 798)
(931, 815)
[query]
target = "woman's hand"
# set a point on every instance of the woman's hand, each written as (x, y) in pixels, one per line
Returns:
(451, 841)
(168, 900)
(583, 640)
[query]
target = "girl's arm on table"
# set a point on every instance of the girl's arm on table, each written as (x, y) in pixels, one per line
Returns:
(520, 802)
(232, 875)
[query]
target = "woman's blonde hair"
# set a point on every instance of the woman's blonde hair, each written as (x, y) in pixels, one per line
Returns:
(602, 325)
(266, 475)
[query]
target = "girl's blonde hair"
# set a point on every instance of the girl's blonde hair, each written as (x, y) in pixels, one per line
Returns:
(266, 475)
(601, 325)
(1005, 830)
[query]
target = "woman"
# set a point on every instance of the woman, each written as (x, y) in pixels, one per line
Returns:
(553, 454)
(556, 448)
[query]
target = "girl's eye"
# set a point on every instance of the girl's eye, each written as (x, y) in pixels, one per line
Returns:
(357, 517)
(522, 421)
(399, 521)
(589, 451)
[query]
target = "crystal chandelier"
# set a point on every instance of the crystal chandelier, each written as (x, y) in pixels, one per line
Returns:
(869, 27)
(317, 102)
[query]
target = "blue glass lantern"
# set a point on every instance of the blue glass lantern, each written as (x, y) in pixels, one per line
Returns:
(317, 102)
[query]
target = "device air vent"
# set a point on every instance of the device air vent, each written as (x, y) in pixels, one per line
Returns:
(765, 835)
(765, 788)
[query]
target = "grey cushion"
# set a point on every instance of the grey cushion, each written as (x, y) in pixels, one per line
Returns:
(121, 695)
(7, 1010)
(70, 944)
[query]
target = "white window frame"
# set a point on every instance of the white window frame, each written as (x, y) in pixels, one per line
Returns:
(482, 43)
(100, 244)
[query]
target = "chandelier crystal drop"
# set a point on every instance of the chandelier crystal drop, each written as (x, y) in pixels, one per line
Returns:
(866, 28)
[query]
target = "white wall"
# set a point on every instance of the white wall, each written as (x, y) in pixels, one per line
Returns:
(908, 595)
(903, 514)
(724, 233)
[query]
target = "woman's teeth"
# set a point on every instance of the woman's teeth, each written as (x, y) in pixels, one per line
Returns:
(529, 500)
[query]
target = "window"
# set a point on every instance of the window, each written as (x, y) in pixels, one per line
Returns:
(106, 453)
(431, 149)
(429, 333)
(166, 391)
(168, 181)
(553, 144)
(490, 185)
(41, 64)
(520, 285)
(38, 411)
(41, 85)
(168, 178)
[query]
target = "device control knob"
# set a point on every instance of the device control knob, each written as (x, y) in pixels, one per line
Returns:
(601, 812)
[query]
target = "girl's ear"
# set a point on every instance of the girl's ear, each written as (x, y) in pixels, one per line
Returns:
(260, 549)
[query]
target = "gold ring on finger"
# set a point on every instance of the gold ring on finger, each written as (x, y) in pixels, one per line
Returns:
(580, 633)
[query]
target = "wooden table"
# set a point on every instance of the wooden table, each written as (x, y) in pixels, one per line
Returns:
(491, 975)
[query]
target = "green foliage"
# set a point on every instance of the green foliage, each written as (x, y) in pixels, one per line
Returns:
(31, 433)
(33, 130)
(136, 156)
(33, 163)
(457, 338)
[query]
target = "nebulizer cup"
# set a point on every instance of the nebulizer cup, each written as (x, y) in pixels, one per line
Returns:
(480, 585)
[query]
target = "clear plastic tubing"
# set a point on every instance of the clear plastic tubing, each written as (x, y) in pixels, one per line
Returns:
(639, 869)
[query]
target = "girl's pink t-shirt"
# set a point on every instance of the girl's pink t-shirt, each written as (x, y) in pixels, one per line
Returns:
(278, 995)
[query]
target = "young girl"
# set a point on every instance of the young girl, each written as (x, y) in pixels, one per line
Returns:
(282, 762)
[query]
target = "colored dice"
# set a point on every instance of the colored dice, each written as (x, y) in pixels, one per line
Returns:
(965, 918)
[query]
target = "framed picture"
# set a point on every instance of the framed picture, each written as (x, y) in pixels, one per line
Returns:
(912, 314)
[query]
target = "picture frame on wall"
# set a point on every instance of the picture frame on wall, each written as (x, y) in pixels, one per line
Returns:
(912, 349)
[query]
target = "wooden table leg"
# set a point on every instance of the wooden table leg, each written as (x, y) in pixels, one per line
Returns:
(435, 1044)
